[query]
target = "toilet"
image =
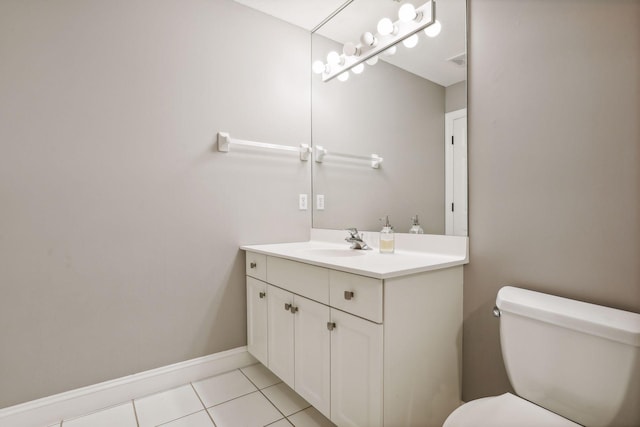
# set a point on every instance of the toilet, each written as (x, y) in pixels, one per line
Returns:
(570, 363)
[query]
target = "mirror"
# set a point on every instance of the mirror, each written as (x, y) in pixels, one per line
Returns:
(397, 109)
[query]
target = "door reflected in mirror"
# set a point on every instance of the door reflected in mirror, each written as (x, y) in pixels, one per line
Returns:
(406, 109)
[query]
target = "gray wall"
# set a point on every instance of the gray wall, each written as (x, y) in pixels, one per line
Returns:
(554, 162)
(395, 114)
(455, 96)
(119, 222)
(119, 225)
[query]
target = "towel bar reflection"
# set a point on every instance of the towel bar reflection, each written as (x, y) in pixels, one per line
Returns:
(320, 152)
(224, 140)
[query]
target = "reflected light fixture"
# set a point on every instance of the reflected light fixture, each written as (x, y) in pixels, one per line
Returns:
(318, 67)
(358, 68)
(411, 21)
(334, 58)
(350, 49)
(344, 76)
(386, 27)
(411, 42)
(368, 39)
(407, 13)
(433, 30)
(390, 51)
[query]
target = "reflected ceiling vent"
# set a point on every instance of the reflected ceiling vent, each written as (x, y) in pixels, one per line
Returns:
(460, 59)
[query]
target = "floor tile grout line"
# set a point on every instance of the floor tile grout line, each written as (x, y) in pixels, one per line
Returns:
(256, 385)
(277, 421)
(268, 400)
(286, 417)
(301, 410)
(135, 412)
(202, 402)
(229, 400)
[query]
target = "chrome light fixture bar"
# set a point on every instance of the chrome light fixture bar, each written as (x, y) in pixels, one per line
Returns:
(371, 45)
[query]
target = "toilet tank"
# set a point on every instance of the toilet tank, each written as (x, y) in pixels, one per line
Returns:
(579, 360)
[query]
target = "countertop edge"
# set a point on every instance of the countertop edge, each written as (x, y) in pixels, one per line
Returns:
(361, 272)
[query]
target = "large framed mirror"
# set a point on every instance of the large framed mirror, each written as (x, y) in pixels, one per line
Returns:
(407, 109)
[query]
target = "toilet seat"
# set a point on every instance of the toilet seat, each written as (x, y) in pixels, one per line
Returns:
(506, 410)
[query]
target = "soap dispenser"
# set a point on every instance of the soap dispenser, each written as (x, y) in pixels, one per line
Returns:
(415, 226)
(387, 238)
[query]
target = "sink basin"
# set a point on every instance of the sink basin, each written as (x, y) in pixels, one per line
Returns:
(346, 252)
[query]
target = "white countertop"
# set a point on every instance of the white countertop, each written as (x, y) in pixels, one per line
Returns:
(414, 253)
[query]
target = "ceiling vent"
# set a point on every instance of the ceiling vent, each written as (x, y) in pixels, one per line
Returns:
(460, 59)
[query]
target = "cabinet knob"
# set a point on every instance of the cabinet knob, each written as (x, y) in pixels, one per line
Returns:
(253, 265)
(287, 306)
(262, 294)
(294, 309)
(348, 295)
(331, 326)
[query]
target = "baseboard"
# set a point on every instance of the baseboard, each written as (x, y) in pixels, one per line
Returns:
(52, 409)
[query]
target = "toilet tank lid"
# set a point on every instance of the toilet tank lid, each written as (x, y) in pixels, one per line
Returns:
(618, 325)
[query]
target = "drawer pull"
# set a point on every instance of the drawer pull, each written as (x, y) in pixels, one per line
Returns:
(294, 309)
(262, 295)
(348, 295)
(287, 306)
(253, 265)
(331, 326)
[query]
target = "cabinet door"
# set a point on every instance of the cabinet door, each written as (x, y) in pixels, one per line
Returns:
(312, 353)
(257, 319)
(356, 371)
(280, 334)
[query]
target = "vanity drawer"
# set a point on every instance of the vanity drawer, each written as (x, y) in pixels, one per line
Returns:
(256, 266)
(302, 279)
(356, 294)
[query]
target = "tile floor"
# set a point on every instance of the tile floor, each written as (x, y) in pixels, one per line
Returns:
(247, 397)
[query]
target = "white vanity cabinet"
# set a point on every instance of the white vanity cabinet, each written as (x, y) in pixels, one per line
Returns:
(364, 351)
(257, 319)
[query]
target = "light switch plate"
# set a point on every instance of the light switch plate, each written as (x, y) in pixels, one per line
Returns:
(302, 202)
(320, 202)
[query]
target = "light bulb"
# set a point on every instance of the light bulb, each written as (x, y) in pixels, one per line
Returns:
(368, 39)
(407, 12)
(333, 58)
(390, 51)
(410, 41)
(318, 67)
(344, 76)
(433, 29)
(373, 60)
(385, 26)
(350, 49)
(358, 68)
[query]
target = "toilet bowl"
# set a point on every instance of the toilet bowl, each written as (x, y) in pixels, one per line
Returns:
(570, 363)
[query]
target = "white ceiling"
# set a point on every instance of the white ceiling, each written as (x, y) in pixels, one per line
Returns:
(430, 59)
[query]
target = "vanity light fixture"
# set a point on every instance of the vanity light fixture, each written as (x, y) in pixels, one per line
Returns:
(411, 21)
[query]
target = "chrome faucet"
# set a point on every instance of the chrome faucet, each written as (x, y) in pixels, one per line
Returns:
(356, 240)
